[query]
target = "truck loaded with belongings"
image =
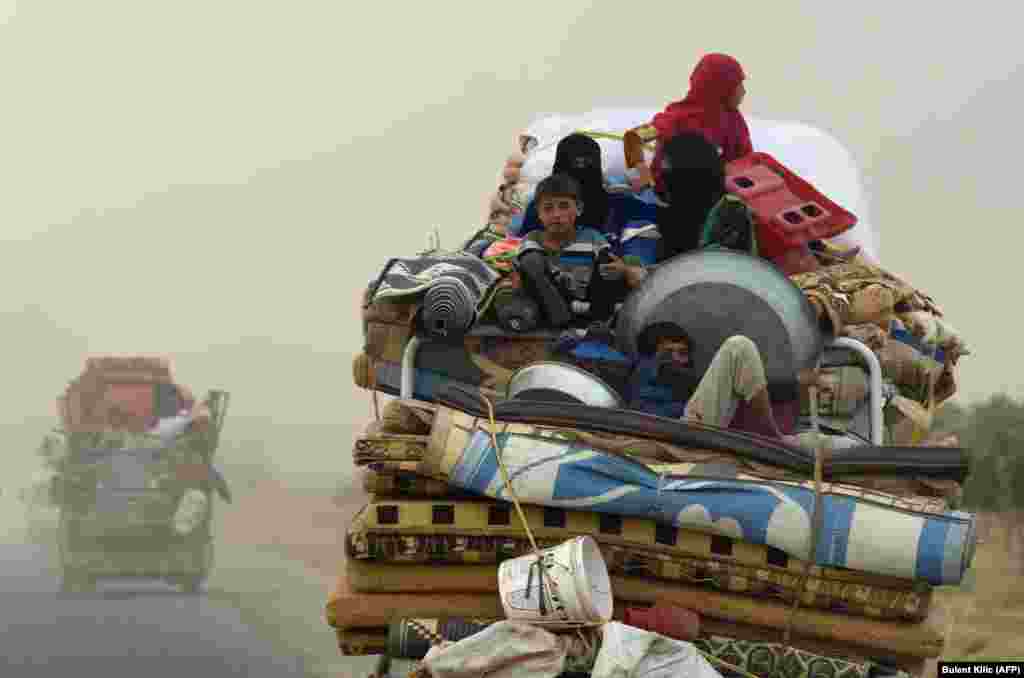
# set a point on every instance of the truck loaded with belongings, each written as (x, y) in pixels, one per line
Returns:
(513, 428)
(132, 474)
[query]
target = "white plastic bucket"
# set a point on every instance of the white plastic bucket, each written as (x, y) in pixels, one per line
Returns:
(573, 579)
(191, 512)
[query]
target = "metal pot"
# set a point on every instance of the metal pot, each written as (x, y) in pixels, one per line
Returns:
(553, 380)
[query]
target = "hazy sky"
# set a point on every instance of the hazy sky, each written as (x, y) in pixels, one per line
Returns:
(219, 179)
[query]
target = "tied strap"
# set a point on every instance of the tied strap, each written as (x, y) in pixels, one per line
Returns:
(539, 566)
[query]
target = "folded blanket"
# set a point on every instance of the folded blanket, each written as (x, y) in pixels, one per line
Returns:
(388, 447)
(411, 276)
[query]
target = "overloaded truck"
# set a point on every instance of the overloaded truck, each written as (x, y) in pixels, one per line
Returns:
(507, 434)
(133, 475)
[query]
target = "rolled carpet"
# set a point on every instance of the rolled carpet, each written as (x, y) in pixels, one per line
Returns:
(917, 640)
(449, 308)
(360, 642)
(549, 470)
(410, 638)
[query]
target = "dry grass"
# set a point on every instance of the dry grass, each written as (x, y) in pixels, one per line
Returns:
(986, 616)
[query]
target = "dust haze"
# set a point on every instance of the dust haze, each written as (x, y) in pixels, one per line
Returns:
(219, 181)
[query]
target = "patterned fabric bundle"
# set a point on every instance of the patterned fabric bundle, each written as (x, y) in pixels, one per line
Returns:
(855, 292)
(361, 642)
(774, 660)
(412, 638)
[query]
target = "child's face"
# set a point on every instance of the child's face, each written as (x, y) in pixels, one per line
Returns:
(558, 214)
(676, 348)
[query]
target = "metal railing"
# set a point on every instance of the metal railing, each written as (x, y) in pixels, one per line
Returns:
(874, 368)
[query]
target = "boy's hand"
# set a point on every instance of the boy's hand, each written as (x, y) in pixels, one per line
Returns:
(811, 376)
(633, 274)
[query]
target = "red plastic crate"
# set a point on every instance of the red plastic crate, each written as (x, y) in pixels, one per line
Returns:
(790, 212)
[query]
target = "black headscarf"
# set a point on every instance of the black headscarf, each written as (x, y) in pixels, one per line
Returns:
(579, 156)
(694, 179)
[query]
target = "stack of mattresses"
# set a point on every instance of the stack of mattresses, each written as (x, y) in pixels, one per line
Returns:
(425, 548)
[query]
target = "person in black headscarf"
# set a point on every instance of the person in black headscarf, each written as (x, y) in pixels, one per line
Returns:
(693, 174)
(579, 156)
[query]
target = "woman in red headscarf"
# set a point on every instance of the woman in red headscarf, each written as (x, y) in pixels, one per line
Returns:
(711, 108)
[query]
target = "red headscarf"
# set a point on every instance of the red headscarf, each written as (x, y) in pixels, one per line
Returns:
(706, 109)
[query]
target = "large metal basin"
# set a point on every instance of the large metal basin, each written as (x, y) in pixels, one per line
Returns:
(714, 294)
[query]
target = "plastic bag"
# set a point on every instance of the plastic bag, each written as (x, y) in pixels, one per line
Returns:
(192, 511)
(629, 652)
(507, 649)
